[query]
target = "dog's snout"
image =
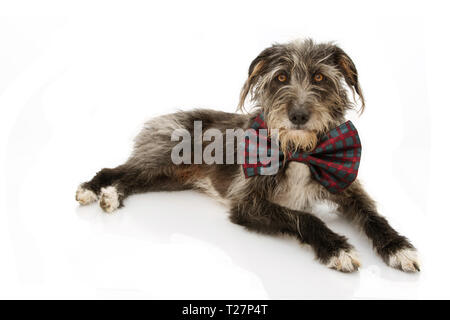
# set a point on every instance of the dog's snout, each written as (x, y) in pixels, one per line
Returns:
(298, 115)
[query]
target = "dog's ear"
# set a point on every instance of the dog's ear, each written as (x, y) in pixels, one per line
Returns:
(256, 69)
(348, 70)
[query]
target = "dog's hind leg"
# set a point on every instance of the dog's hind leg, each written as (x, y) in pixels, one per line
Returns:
(103, 178)
(112, 186)
(89, 191)
(263, 216)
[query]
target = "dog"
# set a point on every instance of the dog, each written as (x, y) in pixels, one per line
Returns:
(302, 90)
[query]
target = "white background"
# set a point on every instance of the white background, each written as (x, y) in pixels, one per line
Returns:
(78, 79)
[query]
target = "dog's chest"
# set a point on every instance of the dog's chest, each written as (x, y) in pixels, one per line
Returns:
(297, 191)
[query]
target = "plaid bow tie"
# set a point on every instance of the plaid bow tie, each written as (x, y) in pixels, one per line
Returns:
(333, 163)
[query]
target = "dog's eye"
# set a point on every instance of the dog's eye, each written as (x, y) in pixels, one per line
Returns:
(282, 77)
(318, 77)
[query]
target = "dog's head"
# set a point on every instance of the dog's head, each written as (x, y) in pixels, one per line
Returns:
(301, 87)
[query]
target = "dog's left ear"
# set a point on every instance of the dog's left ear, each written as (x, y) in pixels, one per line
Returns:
(348, 70)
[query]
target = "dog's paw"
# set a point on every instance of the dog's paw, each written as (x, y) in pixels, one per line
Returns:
(345, 261)
(109, 199)
(405, 259)
(85, 196)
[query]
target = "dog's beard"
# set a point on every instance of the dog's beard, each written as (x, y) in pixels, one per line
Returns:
(293, 140)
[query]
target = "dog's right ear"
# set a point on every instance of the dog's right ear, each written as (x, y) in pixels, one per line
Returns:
(255, 70)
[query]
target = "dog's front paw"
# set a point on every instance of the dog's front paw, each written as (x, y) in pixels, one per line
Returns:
(346, 260)
(405, 259)
(85, 196)
(109, 199)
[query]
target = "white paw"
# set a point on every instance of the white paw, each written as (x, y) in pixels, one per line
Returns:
(405, 260)
(85, 196)
(345, 261)
(109, 199)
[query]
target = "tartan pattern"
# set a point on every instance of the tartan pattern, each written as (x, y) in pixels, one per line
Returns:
(333, 163)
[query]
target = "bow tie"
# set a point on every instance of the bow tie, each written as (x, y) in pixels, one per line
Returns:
(333, 163)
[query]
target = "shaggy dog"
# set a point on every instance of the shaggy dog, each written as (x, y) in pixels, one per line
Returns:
(301, 89)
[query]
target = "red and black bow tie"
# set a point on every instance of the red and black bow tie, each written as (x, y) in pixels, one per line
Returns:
(333, 163)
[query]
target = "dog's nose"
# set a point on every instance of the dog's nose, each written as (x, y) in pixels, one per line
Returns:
(298, 115)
